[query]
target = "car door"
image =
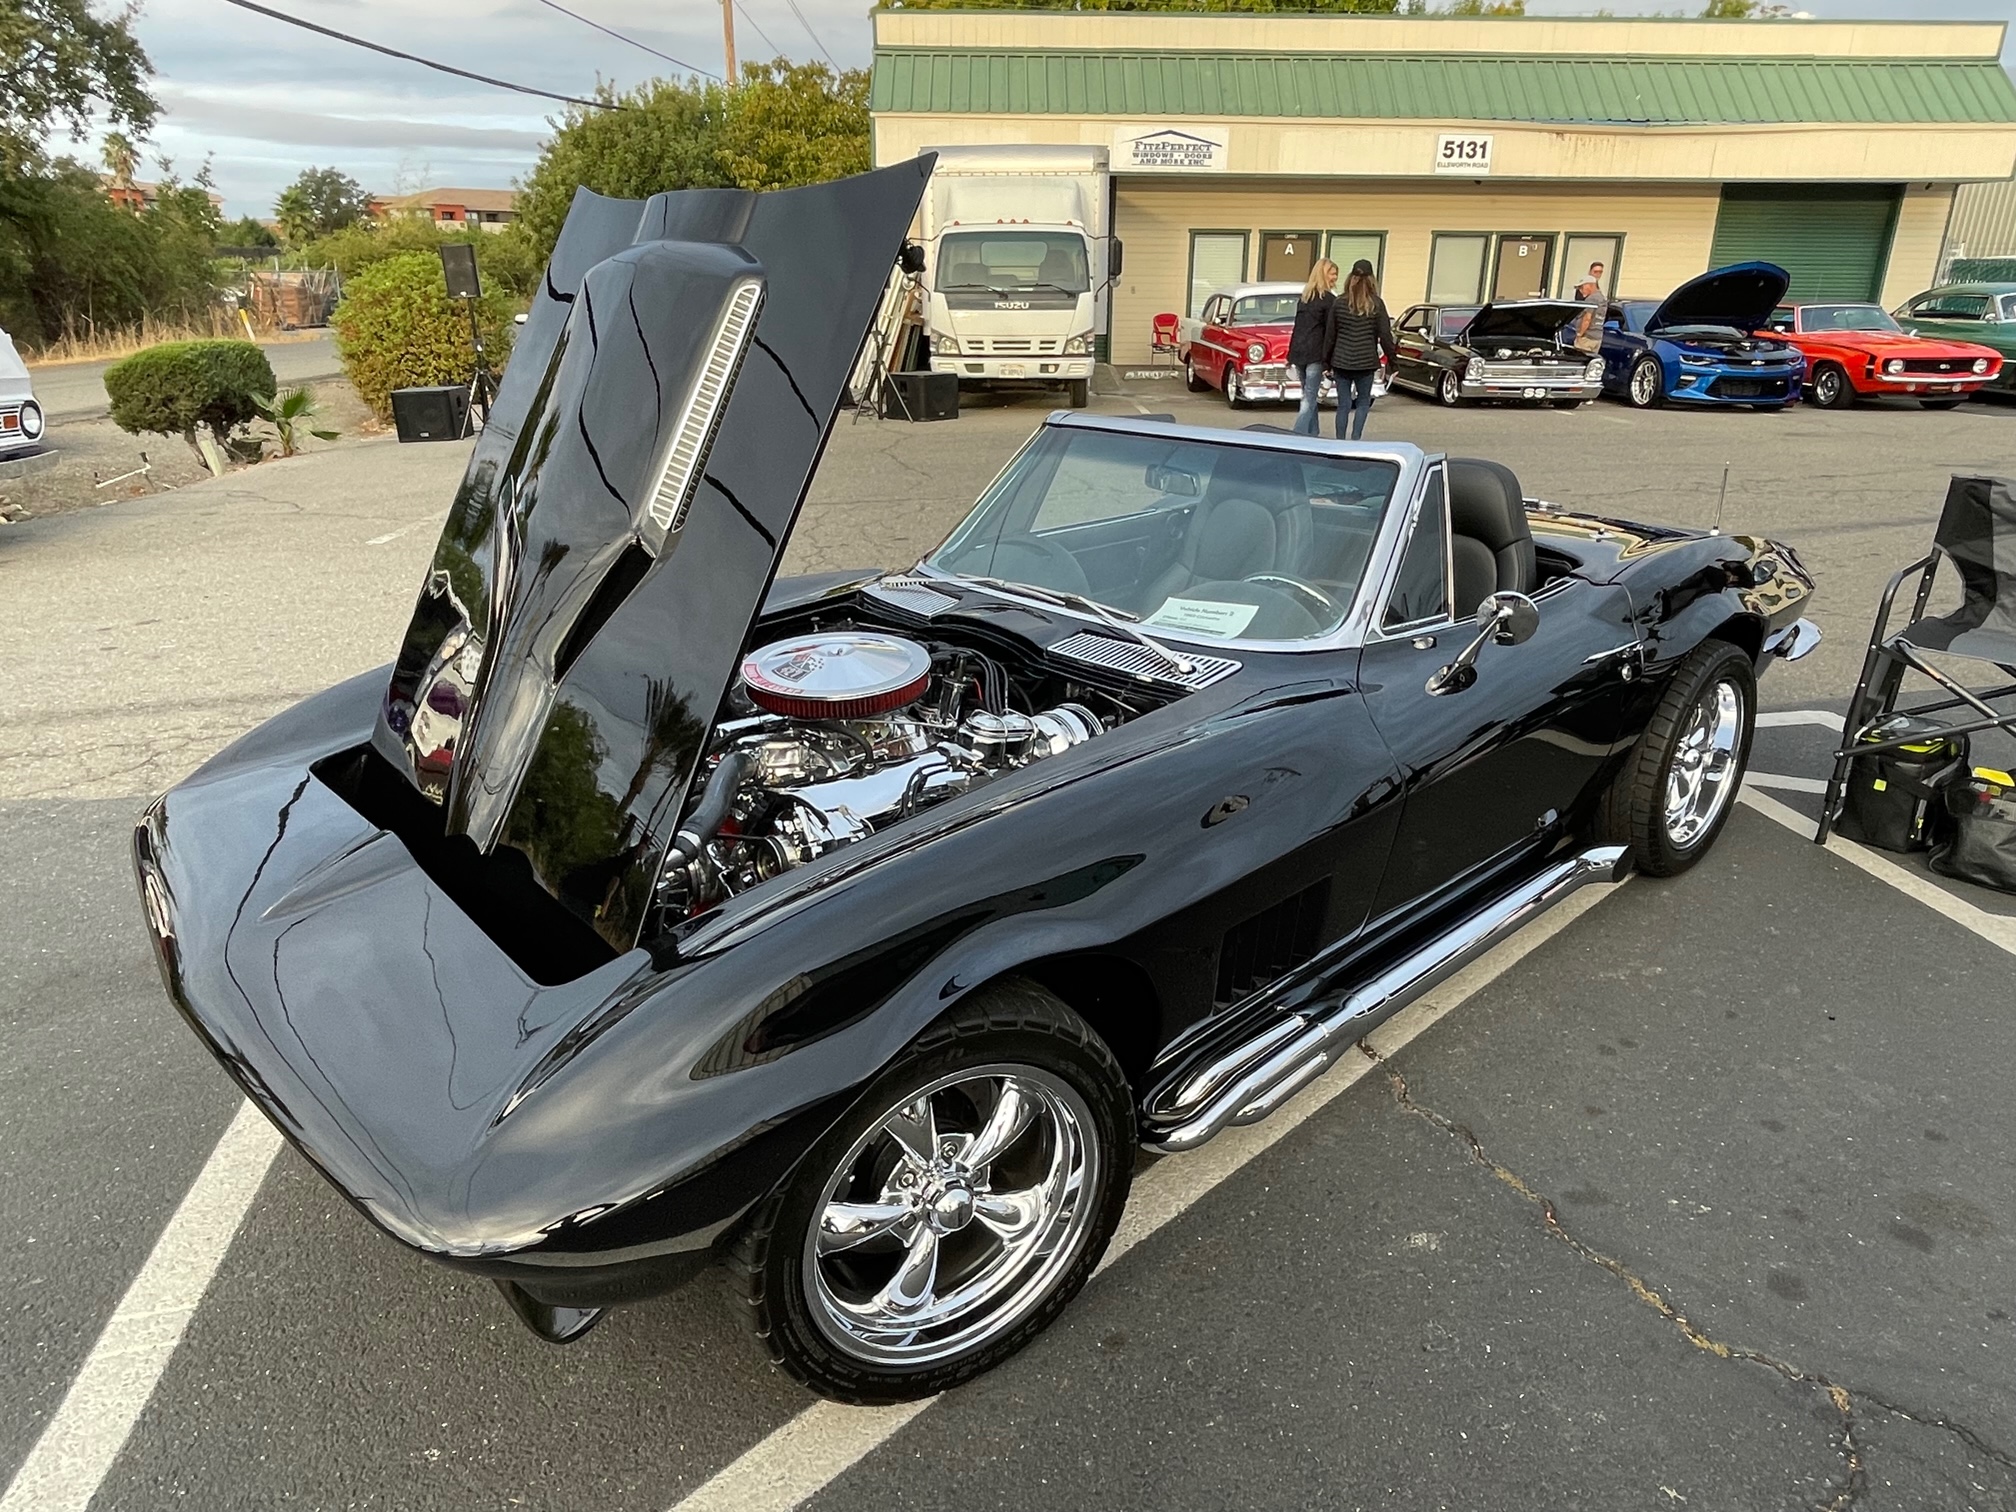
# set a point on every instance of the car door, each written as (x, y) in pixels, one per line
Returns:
(1620, 350)
(1504, 762)
(1415, 341)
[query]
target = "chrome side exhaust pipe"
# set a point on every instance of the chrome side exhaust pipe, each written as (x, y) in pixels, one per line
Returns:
(1256, 1077)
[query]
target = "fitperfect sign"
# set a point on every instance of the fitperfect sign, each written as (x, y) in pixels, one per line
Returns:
(1170, 149)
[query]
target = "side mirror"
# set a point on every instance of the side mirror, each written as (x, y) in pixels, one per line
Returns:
(1509, 619)
(911, 258)
(1613, 325)
(1113, 260)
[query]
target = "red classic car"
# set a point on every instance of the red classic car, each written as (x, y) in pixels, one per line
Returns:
(1856, 351)
(1240, 344)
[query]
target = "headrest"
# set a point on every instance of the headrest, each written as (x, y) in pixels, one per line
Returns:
(1486, 502)
(1235, 539)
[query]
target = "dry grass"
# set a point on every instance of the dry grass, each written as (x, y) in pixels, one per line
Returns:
(101, 345)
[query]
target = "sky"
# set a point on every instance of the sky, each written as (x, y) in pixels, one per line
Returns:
(264, 100)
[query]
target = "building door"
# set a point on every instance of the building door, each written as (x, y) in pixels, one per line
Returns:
(1287, 256)
(1834, 239)
(1521, 271)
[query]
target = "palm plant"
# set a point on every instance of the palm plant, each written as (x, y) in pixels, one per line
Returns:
(291, 414)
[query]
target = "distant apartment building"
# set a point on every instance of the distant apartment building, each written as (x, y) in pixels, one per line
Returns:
(138, 194)
(487, 209)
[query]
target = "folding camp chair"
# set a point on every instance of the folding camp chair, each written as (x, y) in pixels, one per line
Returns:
(1977, 530)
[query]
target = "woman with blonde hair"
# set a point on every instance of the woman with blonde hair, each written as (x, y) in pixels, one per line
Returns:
(1309, 346)
(1362, 331)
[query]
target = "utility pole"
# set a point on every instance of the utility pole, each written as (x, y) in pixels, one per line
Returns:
(728, 37)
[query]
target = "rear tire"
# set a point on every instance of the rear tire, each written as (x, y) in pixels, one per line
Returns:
(1035, 1216)
(1079, 392)
(1830, 388)
(1679, 783)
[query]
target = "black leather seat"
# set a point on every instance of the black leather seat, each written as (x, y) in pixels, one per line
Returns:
(1254, 518)
(1492, 544)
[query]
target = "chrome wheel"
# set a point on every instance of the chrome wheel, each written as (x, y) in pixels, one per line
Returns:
(1702, 778)
(1235, 392)
(1645, 383)
(953, 1216)
(1452, 389)
(1830, 387)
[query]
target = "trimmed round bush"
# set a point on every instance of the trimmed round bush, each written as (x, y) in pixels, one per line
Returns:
(397, 328)
(172, 388)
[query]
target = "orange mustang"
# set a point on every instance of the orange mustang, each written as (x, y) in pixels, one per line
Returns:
(1856, 351)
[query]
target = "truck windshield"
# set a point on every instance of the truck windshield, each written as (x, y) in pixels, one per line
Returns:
(1009, 261)
(1188, 539)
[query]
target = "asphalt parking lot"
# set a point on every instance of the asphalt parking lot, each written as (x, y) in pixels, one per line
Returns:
(1700, 1195)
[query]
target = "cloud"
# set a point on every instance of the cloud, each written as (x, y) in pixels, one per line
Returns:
(236, 119)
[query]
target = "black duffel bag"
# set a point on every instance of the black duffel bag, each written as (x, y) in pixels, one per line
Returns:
(1892, 800)
(1979, 843)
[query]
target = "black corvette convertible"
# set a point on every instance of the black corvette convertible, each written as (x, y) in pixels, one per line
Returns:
(855, 932)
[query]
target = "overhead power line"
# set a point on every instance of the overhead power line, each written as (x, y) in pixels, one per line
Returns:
(759, 28)
(609, 32)
(393, 52)
(812, 34)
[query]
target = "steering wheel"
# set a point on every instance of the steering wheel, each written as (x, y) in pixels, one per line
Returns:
(1328, 609)
(1015, 556)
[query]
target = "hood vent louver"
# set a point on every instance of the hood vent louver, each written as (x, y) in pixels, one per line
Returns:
(912, 593)
(1139, 661)
(683, 460)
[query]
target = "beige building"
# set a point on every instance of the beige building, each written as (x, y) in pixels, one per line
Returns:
(486, 209)
(1474, 158)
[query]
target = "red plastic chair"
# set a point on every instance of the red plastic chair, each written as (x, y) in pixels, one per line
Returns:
(1167, 330)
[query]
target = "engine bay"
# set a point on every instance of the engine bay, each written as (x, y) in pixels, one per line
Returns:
(833, 734)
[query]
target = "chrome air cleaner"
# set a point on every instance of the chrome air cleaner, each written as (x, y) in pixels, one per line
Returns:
(844, 675)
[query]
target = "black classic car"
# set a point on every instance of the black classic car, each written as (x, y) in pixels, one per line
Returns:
(856, 931)
(1513, 351)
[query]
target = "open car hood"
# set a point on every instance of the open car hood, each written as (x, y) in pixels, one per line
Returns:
(1740, 296)
(622, 517)
(1523, 320)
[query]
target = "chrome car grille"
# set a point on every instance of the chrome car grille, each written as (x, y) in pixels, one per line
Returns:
(1139, 661)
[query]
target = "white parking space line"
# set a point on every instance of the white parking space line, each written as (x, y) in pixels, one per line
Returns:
(1781, 717)
(826, 1440)
(96, 1416)
(1996, 929)
(393, 535)
(1785, 784)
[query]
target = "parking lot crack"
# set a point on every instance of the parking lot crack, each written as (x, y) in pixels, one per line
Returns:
(1840, 1400)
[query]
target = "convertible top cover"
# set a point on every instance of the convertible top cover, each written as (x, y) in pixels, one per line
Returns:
(622, 517)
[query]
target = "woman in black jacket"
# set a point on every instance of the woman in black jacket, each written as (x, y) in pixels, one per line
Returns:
(1362, 331)
(1314, 335)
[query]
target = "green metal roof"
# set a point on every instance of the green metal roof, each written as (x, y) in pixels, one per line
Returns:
(1376, 86)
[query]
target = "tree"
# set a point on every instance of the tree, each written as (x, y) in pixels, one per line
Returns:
(795, 123)
(120, 158)
(1299, 7)
(246, 232)
(59, 66)
(666, 138)
(321, 200)
(1745, 10)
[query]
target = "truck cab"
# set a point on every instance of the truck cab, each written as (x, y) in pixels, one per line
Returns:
(1017, 264)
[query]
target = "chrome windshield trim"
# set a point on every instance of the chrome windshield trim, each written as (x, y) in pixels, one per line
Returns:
(1408, 458)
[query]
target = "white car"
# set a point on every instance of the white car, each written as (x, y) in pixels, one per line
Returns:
(20, 415)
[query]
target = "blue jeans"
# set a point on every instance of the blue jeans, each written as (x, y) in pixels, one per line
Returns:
(1354, 402)
(1312, 391)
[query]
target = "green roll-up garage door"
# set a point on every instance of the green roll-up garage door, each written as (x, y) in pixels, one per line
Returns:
(1834, 240)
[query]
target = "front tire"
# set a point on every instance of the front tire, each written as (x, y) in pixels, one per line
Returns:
(1830, 387)
(948, 1218)
(1646, 387)
(1235, 391)
(1191, 381)
(1078, 392)
(1450, 389)
(1679, 783)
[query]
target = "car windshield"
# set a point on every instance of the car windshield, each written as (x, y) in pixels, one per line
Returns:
(1637, 312)
(1265, 309)
(1012, 261)
(1193, 539)
(1846, 317)
(1455, 319)
(1955, 307)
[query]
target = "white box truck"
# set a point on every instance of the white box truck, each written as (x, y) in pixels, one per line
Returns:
(1018, 261)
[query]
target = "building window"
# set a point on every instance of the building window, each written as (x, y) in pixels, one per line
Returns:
(1456, 267)
(1579, 250)
(1347, 247)
(1217, 260)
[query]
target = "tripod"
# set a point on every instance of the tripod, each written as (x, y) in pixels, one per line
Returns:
(871, 398)
(481, 388)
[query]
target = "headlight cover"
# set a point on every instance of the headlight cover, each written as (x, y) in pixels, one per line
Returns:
(1594, 372)
(1256, 351)
(1474, 370)
(1894, 365)
(1980, 364)
(1077, 346)
(31, 420)
(945, 346)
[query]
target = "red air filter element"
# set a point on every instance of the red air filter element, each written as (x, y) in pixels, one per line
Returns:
(845, 675)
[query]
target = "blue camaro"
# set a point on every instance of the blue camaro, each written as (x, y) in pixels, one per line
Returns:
(1701, 343)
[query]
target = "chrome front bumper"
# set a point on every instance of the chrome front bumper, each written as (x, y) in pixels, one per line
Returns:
(1577, 387)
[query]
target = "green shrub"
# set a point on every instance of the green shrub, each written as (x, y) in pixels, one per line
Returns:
(397, 328)
(506, 261)
(172, 388)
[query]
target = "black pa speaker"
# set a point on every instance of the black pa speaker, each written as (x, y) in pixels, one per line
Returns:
(431, 414)
(921, 396)
(458, 266)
